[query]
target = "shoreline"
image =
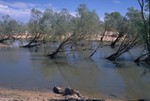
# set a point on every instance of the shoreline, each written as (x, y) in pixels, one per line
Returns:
(24, 95)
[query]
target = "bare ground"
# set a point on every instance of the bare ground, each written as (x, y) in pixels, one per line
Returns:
(23, 95)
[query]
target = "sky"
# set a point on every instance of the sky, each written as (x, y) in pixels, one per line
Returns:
(20, 9)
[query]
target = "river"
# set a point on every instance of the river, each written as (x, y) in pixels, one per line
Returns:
(97, 77)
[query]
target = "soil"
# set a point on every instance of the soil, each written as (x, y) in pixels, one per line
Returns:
(23, 95)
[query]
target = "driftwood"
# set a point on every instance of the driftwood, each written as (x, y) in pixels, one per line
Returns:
(66, 91)
(71, 95)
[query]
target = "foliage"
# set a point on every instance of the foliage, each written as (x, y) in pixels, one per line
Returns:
(74, 29)
(145, 27)
(8, 25)
(68, 30)
(34, 23)
(86, 24)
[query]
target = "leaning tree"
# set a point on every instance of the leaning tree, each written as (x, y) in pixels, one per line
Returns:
(115, 25)
(145, 27)
(131, 34)
(60, 31)
(34, 28)
(74, 30)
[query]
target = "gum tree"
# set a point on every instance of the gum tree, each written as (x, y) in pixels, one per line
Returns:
(116, 24)
(60, 31)
(47, 23)
(34, 28)
(80, 28)
(131, 34)
(145, 27)
(8, 27)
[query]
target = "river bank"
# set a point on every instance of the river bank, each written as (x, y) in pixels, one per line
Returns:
(24, 95)
(4, 45)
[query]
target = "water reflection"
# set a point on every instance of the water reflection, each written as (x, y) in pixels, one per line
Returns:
(18, 43)
(135, 85)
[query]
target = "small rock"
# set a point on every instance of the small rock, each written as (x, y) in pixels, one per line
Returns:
(69, 91)
(58, 90)
(71, 95)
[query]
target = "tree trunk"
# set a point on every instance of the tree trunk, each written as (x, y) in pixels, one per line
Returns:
(147, 59)
(99, 44)
(146, 26)
(4, 39)
(103, 35)
(125, 46)
(95, 50)
(114, 42)
(113, 57)
(138, 59)
(54, 53)
(29, 45)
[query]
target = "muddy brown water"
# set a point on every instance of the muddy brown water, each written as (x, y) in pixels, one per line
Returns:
(96, 77)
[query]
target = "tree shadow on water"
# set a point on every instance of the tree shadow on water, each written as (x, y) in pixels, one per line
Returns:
(146, 70)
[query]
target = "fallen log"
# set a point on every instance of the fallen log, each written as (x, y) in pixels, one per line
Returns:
(71, 95)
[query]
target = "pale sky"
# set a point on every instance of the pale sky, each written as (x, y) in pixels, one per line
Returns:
(20, 9)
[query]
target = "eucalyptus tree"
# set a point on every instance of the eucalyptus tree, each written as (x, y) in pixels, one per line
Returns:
(106, 26)
(75, 29)
(145, 27)
(140, 22)
(86, 24)
(8, 28)
(61, 27)
(131, 34)
(34, 27)
(135, 20)
(115, 23)
(47, 24)
(127, 43)
(88, 27)
(22, 29)
(137, 31)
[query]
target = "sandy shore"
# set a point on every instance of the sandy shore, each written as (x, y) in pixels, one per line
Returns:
(23, 95)
(4, 45)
